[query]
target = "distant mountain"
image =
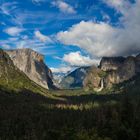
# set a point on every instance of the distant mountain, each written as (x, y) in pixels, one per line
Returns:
(111, 71)
(74, 79)
(57, 78)
(12, 79)
(32, 64)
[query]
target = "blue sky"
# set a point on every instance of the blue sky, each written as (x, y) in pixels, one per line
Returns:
(70, 33)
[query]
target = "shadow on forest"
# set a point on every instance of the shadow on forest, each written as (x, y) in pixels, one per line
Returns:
(22, 116)
(26, 96)
(91, 98)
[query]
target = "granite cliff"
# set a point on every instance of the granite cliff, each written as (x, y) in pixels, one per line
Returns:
(111, 63)
(32, 64)
(14, 80)
(111, 71)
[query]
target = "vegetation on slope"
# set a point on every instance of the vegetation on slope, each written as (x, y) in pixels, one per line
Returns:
(11, 78)
(71, 115)
(79, 116)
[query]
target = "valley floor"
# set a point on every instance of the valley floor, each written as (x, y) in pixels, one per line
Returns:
(69, 115)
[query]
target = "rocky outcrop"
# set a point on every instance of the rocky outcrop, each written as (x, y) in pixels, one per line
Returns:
(123, 73)
(111, 63)
(32, 64)
(111, 71)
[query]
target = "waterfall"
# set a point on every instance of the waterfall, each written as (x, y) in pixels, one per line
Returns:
(102, 85)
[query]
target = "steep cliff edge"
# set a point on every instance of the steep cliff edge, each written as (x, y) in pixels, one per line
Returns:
(12, 79)
(125, 71)
(111, 63)
(111, 71)
(32, 64)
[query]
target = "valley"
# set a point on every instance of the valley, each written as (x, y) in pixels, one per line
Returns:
(69, 114)
(31, 112)
(69, 69)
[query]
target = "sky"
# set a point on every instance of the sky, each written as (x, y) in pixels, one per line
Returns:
(71, 33)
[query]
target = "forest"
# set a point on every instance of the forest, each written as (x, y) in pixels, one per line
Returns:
(70, 115)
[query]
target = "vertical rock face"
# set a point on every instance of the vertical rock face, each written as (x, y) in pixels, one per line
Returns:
(112, 70)
(12, 79)
(32, 64)
(111, 63)
(125, 72)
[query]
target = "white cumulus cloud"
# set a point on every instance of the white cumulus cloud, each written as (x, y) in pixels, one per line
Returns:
(77, 59)
(102, 39)
(64, 7)
(13, 31)
(42, 37)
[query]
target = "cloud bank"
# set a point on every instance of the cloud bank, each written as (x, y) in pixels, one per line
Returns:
(76, 59)
(102, 39)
